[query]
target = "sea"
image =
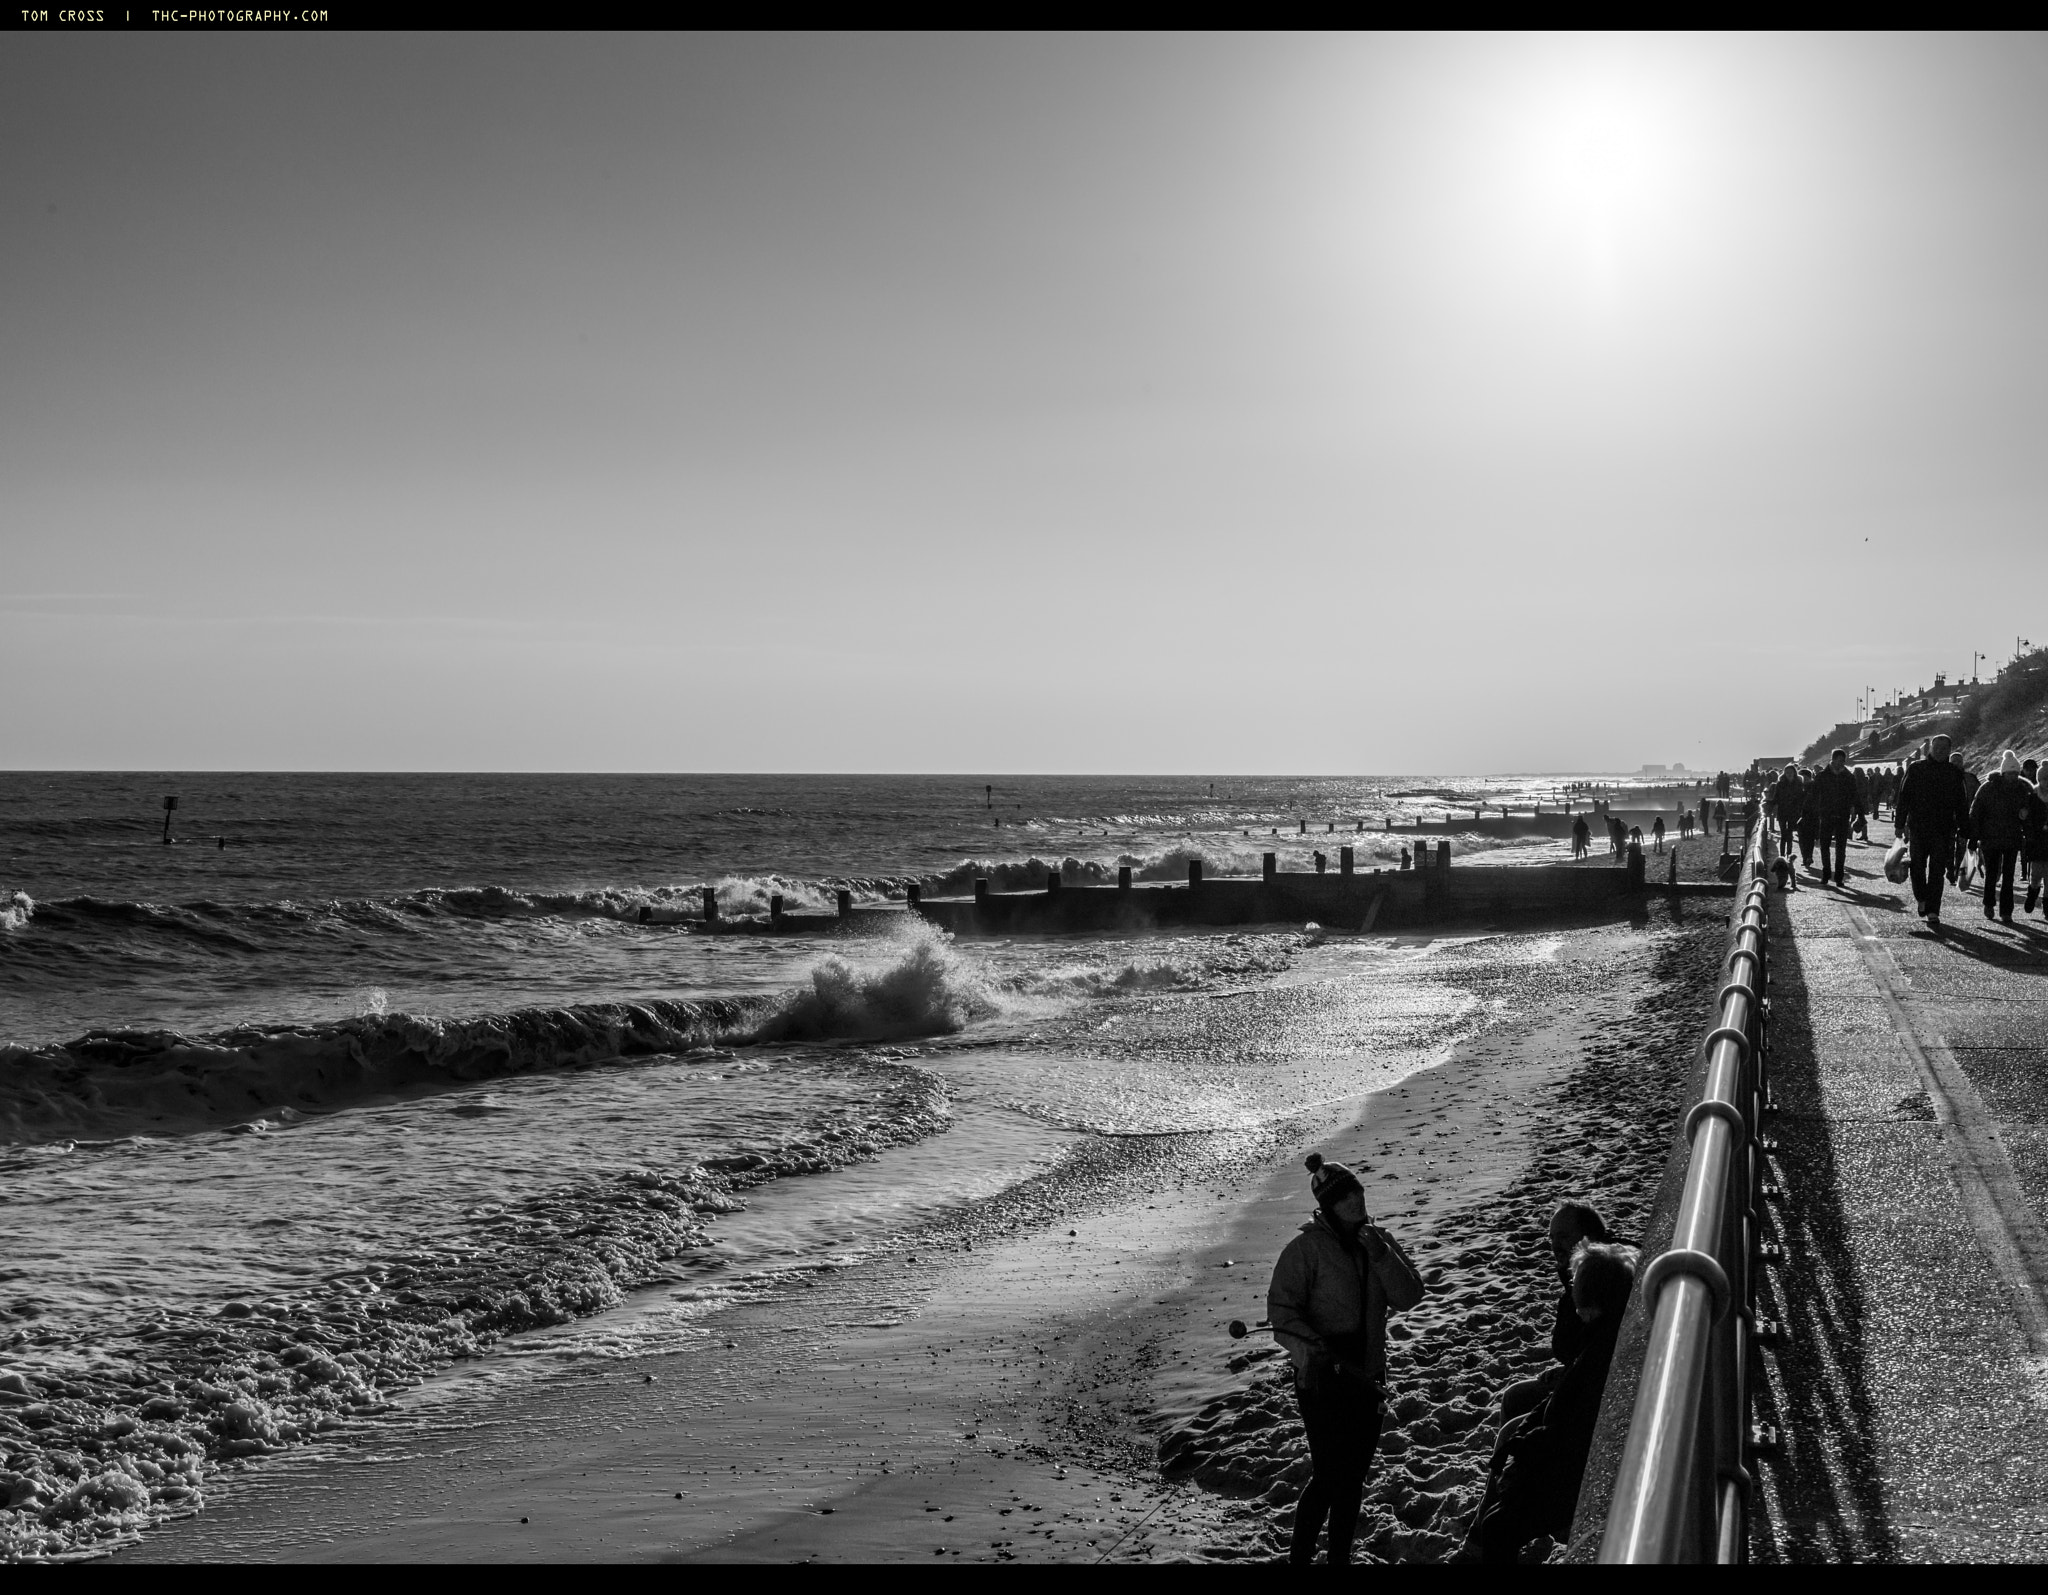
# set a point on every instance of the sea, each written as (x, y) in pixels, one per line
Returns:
(314, 1085)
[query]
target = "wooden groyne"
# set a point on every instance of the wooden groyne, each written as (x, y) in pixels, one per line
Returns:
(1343, 899)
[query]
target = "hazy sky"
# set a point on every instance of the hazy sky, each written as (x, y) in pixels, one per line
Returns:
(1339, 404)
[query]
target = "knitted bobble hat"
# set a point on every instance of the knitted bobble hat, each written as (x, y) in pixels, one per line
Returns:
(2009, 763)
(1330, 1182)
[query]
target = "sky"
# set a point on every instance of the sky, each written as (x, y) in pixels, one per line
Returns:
(1348, 404)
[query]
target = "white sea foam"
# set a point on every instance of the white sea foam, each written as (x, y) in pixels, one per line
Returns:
(922, 987)
(16, 911)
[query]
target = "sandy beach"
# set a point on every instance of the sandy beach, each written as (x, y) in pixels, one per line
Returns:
(1046, 1375)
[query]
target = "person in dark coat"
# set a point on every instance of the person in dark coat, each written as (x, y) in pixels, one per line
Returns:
(1572, 1224)
(1533, 1485)
(1332, 1289)
(1968, 839)
(1836, 804)
(1786, 799)
(1998, 821)
(1932, 812)
(2034, 847)
(1809, 818)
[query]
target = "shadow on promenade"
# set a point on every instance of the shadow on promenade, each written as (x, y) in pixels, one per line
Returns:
(1819, 1497)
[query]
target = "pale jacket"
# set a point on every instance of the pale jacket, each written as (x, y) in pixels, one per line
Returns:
(1324, 1286)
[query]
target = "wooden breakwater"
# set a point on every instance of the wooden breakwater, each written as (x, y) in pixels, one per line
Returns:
(1343, 899)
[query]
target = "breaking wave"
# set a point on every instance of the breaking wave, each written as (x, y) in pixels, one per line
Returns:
(18, 909)
(926, 989)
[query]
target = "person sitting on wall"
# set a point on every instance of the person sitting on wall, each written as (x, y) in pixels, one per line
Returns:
(1571, 1224)
(1533, 1487)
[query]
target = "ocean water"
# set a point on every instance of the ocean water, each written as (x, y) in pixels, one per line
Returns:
(362, 1074)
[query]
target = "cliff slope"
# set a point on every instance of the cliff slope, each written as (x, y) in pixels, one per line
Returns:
(2010, 713)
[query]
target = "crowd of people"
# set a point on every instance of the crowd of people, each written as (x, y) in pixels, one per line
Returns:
(1621, 836)
(1952, 822)
(1332, 1290)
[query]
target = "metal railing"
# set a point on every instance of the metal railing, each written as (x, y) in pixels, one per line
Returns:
(1681, 1492)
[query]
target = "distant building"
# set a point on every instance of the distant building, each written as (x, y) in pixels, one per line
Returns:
(1656, 769)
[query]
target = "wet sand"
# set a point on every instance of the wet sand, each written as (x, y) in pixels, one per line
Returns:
(1003, 1386)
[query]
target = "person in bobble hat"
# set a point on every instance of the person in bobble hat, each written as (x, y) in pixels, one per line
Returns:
(1332, 1289)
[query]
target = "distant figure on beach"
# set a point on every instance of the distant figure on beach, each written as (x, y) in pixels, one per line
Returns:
(1582, 839)
(1657, 833)
(1932, 811)
(1836, 804)
(1328, 1303)
(1406, 861)
(1635, 837)
(1540, 1460)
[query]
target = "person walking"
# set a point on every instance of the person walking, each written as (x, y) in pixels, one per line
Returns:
(1809, 818)
(1657, 834)
(2034, 846)
(1998, 820)
(1328, 1303)
(1932, 811)
(1836, 804)
(1958, 870)
(1787, 796)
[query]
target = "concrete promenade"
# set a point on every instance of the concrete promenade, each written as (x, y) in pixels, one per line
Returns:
(1911, 1073)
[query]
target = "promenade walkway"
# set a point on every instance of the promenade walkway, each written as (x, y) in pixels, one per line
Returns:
(1911, 1390)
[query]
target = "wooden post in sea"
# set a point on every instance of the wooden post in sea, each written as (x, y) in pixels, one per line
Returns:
(845, 903)
(1269, 866)
(1304, 827)
(1443, 854)
(913, 894)
(1346, 862)
(1052, 883)
(711, 905)
(170, 803)
(1194, 873)
(775, 909)
(1123, 877)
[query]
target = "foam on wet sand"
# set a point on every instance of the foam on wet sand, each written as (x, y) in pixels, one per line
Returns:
(1045, 1375)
